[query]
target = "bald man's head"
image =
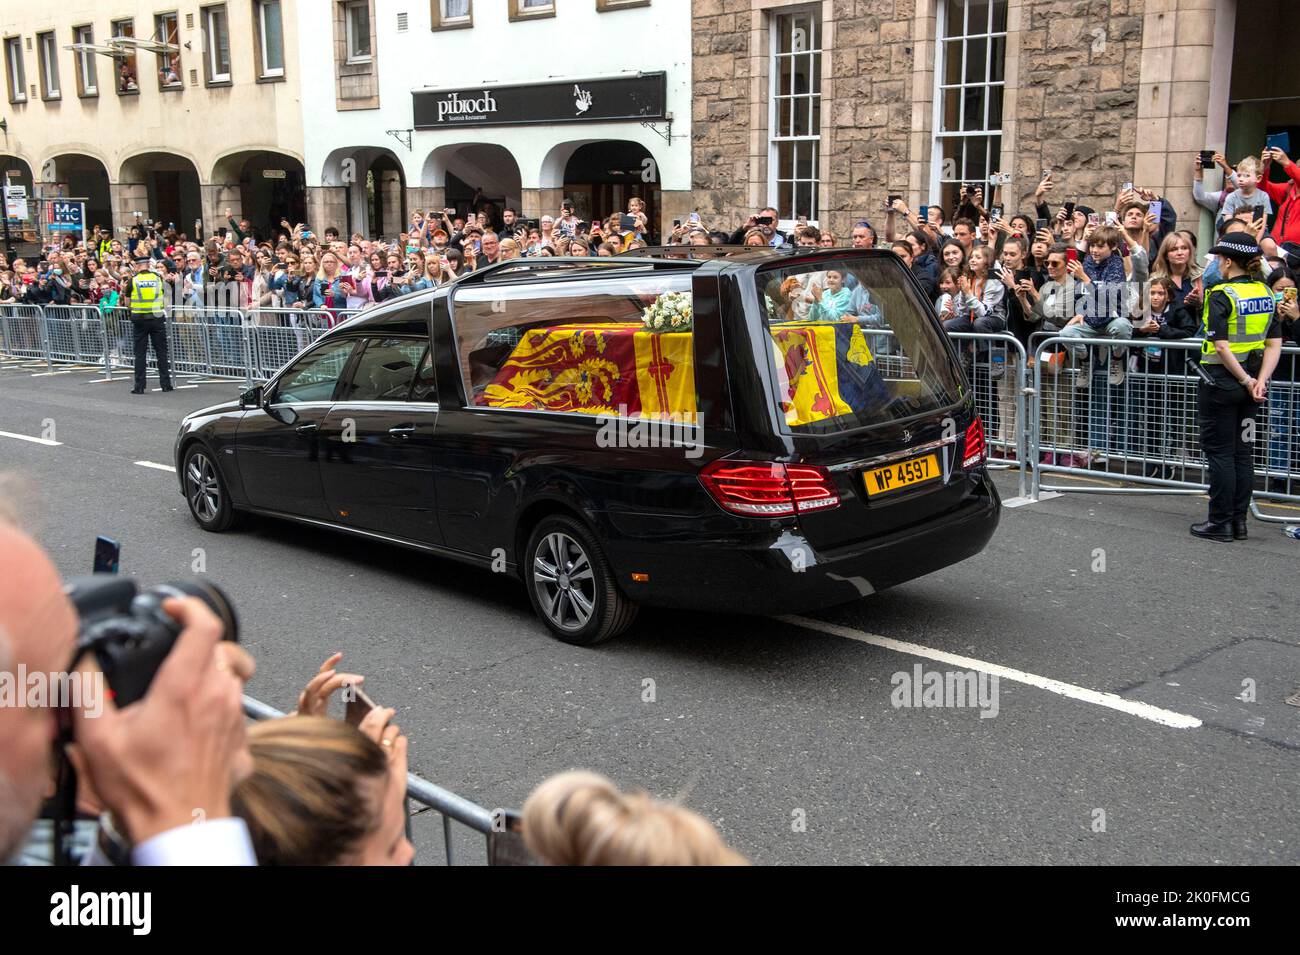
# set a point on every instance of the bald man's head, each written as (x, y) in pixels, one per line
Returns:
(38, 629)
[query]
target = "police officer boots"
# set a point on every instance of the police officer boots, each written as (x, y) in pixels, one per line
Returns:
(1209, 530)
(1239, 529)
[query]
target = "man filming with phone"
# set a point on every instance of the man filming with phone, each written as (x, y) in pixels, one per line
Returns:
(765, 220)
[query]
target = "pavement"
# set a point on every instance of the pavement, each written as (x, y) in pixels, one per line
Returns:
(1140, 707)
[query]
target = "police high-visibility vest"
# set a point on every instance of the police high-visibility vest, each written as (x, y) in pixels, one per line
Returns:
(147, 293)
(1253, 306)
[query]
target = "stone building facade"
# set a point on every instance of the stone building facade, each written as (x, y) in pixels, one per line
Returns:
(1102, 92)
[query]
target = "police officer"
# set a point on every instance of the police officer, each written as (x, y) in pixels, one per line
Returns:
(1243, 341)
(145, 289)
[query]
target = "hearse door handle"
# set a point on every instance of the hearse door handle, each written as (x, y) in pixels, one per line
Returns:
(402, 431)
(307, 429)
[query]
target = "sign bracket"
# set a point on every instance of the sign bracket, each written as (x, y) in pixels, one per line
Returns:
(403, 136)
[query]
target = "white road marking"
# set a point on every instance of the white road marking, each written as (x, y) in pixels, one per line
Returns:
(156, 467)
(1132, 707)
(27, 437)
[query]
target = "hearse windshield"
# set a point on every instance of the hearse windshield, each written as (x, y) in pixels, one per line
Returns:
(852, 345)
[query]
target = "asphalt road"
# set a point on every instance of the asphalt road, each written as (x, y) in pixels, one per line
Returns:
(781, 733)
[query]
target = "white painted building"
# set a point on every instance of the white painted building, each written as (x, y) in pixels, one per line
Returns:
(426, 103)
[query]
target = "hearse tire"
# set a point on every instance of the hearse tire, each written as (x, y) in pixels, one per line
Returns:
(205, 490)
(571, 584)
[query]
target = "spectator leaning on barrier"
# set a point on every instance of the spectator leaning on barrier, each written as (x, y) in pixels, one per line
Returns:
(1100, 303)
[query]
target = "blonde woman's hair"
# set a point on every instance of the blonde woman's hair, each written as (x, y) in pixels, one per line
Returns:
(306, 802)
(581, 818)
(320, 263)
(1161, 264)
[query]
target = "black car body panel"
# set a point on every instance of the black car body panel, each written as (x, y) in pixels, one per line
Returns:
(451, 477)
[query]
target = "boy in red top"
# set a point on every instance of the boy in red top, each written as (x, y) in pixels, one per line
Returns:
(1286, 199)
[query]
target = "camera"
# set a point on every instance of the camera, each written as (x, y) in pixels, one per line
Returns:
(128, 631)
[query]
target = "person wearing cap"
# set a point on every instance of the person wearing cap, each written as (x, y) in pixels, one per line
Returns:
(1243, 341)
(145, 290)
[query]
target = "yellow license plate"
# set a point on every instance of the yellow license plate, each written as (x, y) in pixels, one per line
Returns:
(902, 474)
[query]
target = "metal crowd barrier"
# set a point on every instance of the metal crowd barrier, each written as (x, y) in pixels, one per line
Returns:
(74, 333)
(999, 374)
(451, 807)
(279, 334)
(1144, 430)
(22, 332)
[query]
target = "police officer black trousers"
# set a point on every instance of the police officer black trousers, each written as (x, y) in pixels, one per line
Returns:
(151, 330)
(1227, 414)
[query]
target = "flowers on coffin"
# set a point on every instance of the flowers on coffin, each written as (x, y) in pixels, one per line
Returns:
(671, 312)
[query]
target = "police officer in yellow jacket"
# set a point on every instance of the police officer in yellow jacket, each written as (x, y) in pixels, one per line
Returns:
(1243, 341)
(146, 292)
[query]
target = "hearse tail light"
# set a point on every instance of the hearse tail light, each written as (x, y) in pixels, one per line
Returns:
(977, 450)
(758, 489)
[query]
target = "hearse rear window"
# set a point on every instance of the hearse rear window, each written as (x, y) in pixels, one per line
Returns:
(612, 346)
(852, 345)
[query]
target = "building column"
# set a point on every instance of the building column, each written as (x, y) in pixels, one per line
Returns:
(127, 199)
(673, 204)
(428, 199)
(540, 202)
(214, 200)
(327, 206)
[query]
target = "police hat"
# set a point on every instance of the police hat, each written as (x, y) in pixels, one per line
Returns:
(1239, 247)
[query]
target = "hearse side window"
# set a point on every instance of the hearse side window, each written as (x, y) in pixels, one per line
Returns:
(853, 345)
(611, 346)
(385, 370)
(425, 386)
(314, 376)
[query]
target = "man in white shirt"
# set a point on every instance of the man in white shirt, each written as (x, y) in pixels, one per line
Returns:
(179, 749)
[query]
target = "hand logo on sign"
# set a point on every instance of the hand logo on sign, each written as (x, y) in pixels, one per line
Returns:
(583, 102)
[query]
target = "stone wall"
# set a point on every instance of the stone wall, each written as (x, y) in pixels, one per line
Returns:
(1101, 91)
(867, 64)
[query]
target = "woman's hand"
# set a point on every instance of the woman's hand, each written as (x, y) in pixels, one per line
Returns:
(1258, 389)
(1075, 268)
(314, 699)
(1289, 310)
(1044, 187)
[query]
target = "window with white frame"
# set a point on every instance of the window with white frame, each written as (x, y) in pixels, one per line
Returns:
(270, 39)
(216, 44)
(14, 72)
(167, 29)
(356, 21)
(128, 83)
(48, 55)
(970, 78)
(453, 11)
(794, 155)
(87, 77)
(527, 9)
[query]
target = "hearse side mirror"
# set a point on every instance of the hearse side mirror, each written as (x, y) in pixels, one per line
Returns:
(252, 398)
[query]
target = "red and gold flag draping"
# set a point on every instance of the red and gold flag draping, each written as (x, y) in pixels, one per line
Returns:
(824, 370)
(611, 369)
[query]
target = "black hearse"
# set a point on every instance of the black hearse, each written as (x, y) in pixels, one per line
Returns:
(771, 431)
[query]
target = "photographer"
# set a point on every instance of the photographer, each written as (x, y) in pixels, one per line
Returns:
(180, 748)
(764, 220)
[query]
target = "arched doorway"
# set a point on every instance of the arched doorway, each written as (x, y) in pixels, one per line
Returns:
(601, 176)
(79, 176)
(363, 189)
(272, 187)
(474, 177)
(166, 192)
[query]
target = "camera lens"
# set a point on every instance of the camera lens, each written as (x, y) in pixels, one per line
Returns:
(213, 596)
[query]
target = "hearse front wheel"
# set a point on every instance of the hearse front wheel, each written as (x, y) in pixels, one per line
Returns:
(572, 585)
